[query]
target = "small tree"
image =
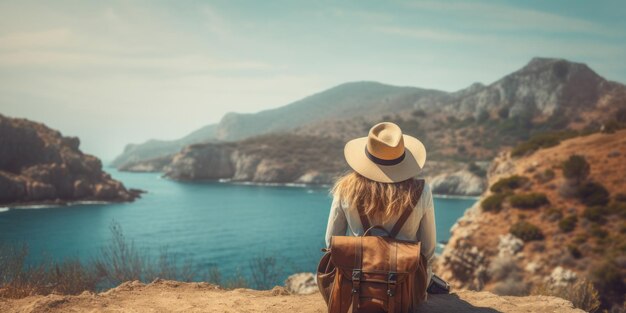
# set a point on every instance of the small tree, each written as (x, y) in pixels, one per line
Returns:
(576, 168)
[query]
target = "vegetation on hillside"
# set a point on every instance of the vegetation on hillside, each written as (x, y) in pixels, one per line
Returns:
(566, 213)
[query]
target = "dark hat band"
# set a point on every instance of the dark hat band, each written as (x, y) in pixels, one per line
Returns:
(380, 161)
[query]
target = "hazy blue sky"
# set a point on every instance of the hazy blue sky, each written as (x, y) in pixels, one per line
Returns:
(114, 72)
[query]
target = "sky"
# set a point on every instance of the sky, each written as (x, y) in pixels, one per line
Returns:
(119, 72)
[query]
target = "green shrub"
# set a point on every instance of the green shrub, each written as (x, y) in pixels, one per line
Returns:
(574, 251)
(526, 231)
(568, 224)
(509, 183)
(611, 126)
(592, 193)
(528, 200)
(553, 214)
(597, 231)
(576, 168)
(541, 140)
(595, 214)
(493, 203)
(617, 208)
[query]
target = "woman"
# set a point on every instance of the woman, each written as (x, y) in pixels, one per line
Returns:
(383, 184)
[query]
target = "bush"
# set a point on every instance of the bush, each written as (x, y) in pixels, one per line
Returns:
(542, 140)
(568, 224)
(592, 193)
(609, 281)
(477, 170)
(611, 126)
(493, 203)
(617, 208)
(528, 200)
(574, 251)
(509, 183)
(576, 168)
(265, 272)
(526, 231)
(553, 214)
(595, 214)
(597, 231)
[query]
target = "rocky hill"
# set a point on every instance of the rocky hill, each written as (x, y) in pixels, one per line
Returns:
(552, 218)
(38, 164)
(463, 130)
(172, 296)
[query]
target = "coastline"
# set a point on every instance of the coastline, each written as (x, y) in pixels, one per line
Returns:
(52, 204)
(295, 185)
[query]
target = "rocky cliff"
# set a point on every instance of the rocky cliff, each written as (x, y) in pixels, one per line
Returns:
(265, 159)
(38, 164)
(173, 296)
(552, 218)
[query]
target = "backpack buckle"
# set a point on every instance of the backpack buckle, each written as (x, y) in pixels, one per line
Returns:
(392, 279)
(356, 280)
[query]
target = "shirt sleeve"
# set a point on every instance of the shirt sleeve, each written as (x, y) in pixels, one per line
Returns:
(337, 222)
(427, 233)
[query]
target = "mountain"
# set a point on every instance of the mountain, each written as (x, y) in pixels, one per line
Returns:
(39, 165)
(160, 149)
(552, 218)
(341, 102)
(462, 130)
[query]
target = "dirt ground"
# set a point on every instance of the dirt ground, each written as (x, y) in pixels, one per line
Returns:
(172, 296)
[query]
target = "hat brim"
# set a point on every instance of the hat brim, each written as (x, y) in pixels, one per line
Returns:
(411, 165)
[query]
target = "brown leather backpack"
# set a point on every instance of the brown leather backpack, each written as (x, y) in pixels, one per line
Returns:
(373, 273)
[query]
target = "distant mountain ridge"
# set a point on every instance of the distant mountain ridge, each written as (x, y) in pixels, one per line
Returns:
(343, 101)
(458, 128)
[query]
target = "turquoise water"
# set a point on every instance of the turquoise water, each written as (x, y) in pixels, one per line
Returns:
(212, 223)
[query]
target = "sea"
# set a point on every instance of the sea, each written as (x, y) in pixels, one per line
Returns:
(220, 225)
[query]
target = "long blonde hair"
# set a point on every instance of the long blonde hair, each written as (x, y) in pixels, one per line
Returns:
(382, 201)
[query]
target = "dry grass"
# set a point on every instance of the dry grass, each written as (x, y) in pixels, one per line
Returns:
(119, 261)
(581, 293)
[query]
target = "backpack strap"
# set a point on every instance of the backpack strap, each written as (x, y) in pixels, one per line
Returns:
(407, 212)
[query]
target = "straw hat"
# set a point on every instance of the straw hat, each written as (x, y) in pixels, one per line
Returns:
(386, 155)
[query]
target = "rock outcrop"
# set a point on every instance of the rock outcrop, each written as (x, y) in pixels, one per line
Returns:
(173, 296)
(265, 159)
(462, 182)
(301, 284)
(38, 164)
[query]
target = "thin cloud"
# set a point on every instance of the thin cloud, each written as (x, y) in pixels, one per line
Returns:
(509, 17)
(430, 34)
